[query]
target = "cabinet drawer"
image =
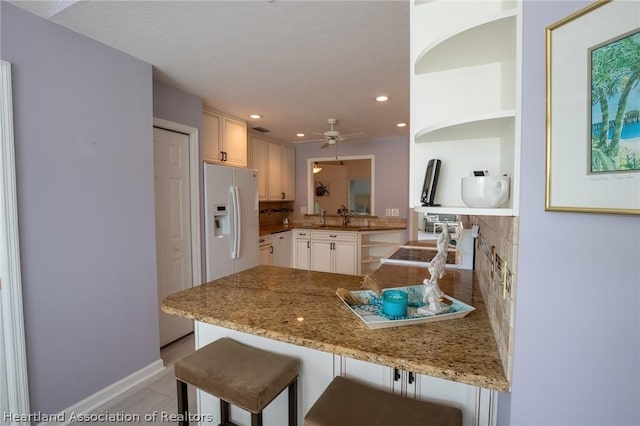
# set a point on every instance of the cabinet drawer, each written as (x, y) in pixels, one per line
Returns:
(302, 235)
(265, 240)
(333, 236)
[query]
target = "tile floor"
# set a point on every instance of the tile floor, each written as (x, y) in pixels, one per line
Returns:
(156, 395)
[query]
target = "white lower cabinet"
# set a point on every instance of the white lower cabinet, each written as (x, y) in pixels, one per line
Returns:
(377, 376)
(478, 405)
(315, 374)
(352, 253)
(334, 252)
(318, 368)
(301, 249)
(281, 253)
(326, 251)
(266, 250)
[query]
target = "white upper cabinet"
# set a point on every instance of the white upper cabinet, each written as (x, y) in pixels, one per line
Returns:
(465, 97)
(259, 160)
(275, 163)
(289, 173)
(276, 155)
(211, 136)
(224, 139)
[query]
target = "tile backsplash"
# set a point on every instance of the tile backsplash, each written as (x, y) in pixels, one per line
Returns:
(495, 266)
(274, 212)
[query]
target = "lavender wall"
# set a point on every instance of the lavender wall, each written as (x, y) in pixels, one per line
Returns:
(175, 105)
(577, 325)
(391, 164)
(84, 159)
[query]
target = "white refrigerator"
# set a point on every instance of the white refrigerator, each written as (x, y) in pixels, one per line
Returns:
(231, 220)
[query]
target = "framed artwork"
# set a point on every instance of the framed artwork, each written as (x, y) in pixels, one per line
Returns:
(593, 110)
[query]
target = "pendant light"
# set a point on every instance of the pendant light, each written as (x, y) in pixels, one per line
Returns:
(316, 169)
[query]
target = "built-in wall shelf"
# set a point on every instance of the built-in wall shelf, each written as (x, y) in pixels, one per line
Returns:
(464, 210)
(465, 98)
(372, 259)
(384, 244)
(478, 126)
(476, 37)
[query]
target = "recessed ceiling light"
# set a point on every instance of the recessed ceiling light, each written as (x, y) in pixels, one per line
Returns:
(256, 116)
(382, 98)
(300, 135)
(401, 124)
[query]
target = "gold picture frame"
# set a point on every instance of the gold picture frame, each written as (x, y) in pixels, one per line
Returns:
(591, 166)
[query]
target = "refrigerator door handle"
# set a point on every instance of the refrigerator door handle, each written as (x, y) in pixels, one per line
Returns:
(237, 229)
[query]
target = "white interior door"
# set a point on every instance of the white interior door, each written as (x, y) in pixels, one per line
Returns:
(173, 225)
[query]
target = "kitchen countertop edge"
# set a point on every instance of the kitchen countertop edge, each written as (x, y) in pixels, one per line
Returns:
(190, 304)
(274, 229)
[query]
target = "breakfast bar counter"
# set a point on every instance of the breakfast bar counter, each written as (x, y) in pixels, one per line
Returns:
(301, 307)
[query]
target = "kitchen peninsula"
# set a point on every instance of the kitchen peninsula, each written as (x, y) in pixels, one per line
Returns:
(266, 305)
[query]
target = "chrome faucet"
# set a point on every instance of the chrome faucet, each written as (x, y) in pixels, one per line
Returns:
(344, 211)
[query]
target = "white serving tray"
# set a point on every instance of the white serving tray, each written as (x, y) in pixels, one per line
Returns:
(371, 316)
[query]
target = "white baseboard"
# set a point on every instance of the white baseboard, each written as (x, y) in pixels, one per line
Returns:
(107, 394)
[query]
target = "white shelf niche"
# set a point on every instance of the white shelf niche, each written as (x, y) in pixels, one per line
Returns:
(483, 89)
(464, 97)
(439, 18)
(460, 158)
(464, 210)
(480, 126)
(484, 39)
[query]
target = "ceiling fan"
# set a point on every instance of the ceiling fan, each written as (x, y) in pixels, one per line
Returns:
(331, 136)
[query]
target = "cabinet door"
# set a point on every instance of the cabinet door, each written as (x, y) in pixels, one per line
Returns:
(375, 375)
(320, 256)
(265, 255)
(477, 404)
(235, 141)
(281, 249)
(211, 137)
(345, 259)
(301, 253)
(276, 155)
(289, 173)
(259, 149)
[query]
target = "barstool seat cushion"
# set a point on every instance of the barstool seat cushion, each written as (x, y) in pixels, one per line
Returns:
(242, 375)
(346, 402)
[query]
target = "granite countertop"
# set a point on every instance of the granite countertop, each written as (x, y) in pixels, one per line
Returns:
(273, 229)
(268, 301)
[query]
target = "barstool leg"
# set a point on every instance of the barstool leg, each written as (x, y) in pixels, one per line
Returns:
(183, 402)
(256, 419)
(225, 411)
(293, 402)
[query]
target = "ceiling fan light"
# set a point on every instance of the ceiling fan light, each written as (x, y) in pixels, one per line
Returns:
(316, 169)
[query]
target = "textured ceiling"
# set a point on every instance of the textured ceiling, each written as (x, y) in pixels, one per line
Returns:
(297, 63)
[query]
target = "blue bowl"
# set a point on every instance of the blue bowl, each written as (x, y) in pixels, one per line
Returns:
(394, 303)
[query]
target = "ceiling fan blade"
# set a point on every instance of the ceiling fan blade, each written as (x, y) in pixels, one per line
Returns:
(309, 140)
(324, 145)
(354, 135)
